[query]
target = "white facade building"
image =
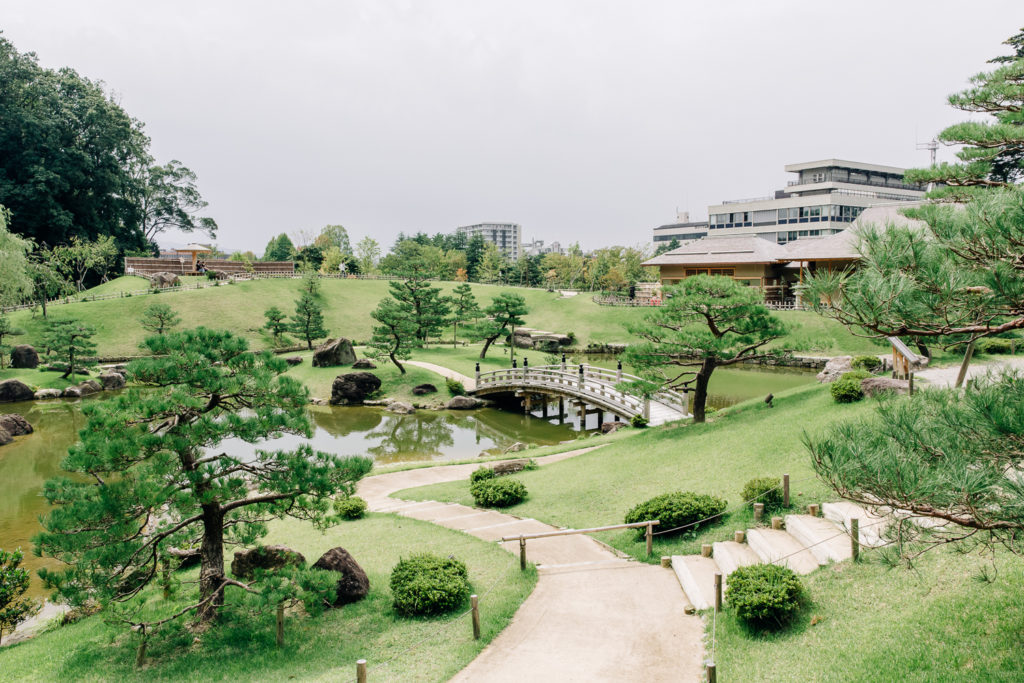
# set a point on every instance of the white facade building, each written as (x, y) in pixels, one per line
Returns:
(539, 248)
(506, 236)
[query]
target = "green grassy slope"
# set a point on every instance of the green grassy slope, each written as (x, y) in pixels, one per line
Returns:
(239, 307)
(321, 648)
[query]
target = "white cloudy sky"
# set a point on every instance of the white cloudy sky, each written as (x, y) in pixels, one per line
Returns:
(582, 120)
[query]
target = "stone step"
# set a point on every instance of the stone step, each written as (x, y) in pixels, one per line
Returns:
(825, 539)
(696, 575)
(872, 526)
(730, 556)
(775, 546)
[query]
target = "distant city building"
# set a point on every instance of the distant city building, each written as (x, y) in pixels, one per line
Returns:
(826, 197)
(682, 230)
(538, 248)
(506, 236)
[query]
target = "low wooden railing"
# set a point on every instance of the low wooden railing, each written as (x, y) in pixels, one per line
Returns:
(523, 538)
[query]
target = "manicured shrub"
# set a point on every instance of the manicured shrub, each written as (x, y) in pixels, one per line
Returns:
(498, 493)
(765, 595)
(638, 421)
(455, 387)
(353, 507)
(767, 490)
(680, 508)
(426, 584)
(481, 473)
(870, 364)
(847, 389)
(997, 345)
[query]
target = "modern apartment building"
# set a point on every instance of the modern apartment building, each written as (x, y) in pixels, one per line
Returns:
(682, 230)
(506, 236)
(824, 199)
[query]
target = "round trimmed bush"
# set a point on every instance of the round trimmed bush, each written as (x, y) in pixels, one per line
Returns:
(847, 389)
(353, 507)
(482, 473)
(870, 364)
(426, 584)
(765, 594)
(638, 421)
(498, 493)
(679, 508)
(767, 490)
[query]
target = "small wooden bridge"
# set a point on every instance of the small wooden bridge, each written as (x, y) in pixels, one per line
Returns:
(591, 389)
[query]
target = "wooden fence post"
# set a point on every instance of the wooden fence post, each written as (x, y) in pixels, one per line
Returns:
(812, 509)
(785, 490)
(776, 523)
(738, 536)
(475, 603)
(650, 538)
(361, 671)
(705, 550)
(280, 624)
(522, 554)
(855, 538)
(718, 591)
(758, 512)
(709, 668)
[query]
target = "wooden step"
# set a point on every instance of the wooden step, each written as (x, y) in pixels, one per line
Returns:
(824, 538)
(696, 575)
(775, 546)
(872, 526)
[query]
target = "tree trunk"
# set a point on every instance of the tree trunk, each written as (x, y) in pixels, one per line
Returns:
(211, 554)
(487, 345)
(700, 393)
(71, 366)
(962, 375)
(398, 365)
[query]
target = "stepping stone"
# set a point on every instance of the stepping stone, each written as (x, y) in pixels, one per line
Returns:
(827, 541)
(775, 546)
(872, 525)
(696, 575)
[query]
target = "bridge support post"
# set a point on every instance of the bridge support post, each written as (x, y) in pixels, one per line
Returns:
(545, 407)
(583, 416)
(527, 403)
(600, 418)
(561, 410)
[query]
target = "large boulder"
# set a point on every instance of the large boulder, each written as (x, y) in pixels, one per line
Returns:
(246, 562)
(293, 360)
(464, 403)
(872, 386)
(422, 389)
(334, 352)
(24, 356)
(509, 467)
(400, 407)
(89, 386)
(72, 392)
(5, 437)
(612, 427)
(834, 368)
(44, 394)
(164, 279)
(112, 380)
(15, 424)
(353, 585)
(12, 390)
(364, 364)
(516, 447)
(353, 387)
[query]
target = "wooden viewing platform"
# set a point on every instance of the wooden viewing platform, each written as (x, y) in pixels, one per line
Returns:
(587, 385)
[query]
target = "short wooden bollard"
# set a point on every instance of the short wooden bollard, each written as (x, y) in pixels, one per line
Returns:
(855, 538)
(776, 522)
(475, 604)
(758, 512)
(361, 671)
(812, 509)
(710, 670)
(738, 536)
(666, 561)
(705, 550)
(650, 539)
(522, 554)
(280, 624)
(718, 591)
(785, 490)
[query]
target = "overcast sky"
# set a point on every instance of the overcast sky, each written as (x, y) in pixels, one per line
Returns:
(584, 121)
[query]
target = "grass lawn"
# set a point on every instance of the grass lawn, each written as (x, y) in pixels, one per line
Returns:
(393, 383)
(321, 648)
(37, 379)
(746, 441)
(239, 307)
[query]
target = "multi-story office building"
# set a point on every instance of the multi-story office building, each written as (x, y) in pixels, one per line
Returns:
(506, 236)
(539, 248)
(825, 198)
(682, 230)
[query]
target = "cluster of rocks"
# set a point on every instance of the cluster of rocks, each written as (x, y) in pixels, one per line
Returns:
(164, 279)
(353, 584)
(356, 388)
(871, 386)
(549, 342)
(12, 425)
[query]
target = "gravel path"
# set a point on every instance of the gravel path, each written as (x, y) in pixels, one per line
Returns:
(467, 382)
(946, 376)
(594, 616)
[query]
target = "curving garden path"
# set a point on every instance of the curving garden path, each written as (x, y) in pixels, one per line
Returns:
(467, 382)
(593, 616)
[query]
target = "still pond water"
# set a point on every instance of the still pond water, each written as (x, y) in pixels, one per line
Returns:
(387, 438)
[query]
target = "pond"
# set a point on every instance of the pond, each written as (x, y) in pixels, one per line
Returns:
(388, 438)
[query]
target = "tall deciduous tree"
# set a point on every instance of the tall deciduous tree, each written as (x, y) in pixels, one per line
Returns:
(80, 257)
(14, 582)
(15, 272)
(502, 315)
(279, 248)
(69, 340)
(334, 236)
(464, 308)
(169, 199)
(474, 256)
(159, 318)
(7, 330)
(151, 472)
(396, 335)
(491, 264)
(706, 322)
(367, 253)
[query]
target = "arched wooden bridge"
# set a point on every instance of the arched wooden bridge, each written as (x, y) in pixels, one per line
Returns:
(592, 389)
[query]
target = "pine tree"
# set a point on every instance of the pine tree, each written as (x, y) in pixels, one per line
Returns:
(422, 301)
(503, 314)
(159, 318)
(69, 339)
(308, 320)
(706, 322)
(396, 335)
(464, 308)
(276, 323)
(153, 470)
(14, 581)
